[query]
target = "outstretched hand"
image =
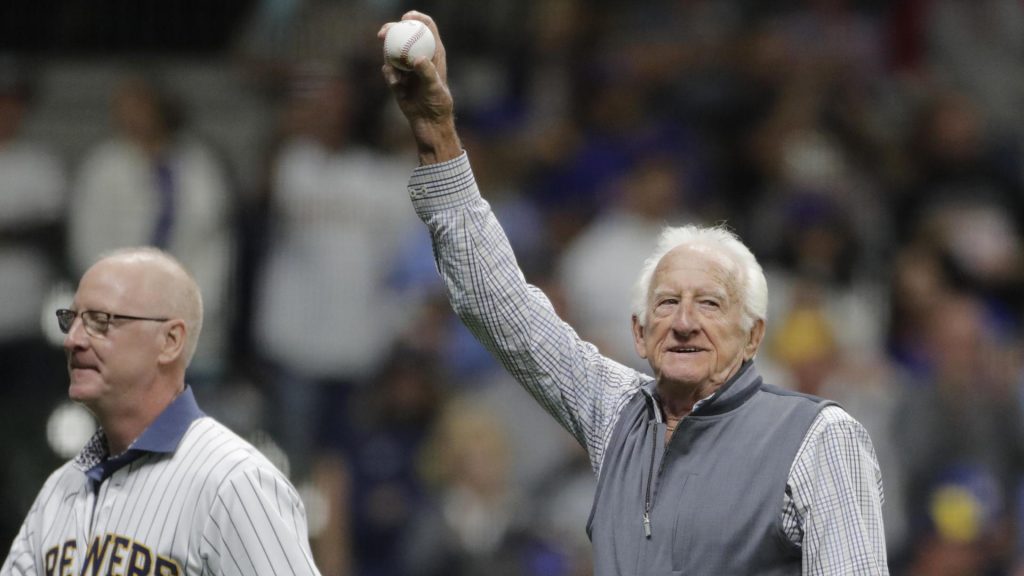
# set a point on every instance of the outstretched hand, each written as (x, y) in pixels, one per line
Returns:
(424, 98)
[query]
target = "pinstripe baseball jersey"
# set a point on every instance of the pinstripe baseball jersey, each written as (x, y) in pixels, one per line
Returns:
(188, 497)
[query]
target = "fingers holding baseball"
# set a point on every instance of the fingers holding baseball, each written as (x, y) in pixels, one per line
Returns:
(416, 71)
(405, 45)
(415, 67)
(439, 59)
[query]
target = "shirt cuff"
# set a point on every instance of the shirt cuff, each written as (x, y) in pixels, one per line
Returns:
(442, 186)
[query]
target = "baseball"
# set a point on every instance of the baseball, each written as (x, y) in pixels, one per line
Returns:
(405, 41)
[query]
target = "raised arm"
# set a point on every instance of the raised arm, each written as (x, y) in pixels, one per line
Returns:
(581, 388)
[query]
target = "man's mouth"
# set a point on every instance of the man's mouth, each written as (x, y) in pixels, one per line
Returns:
(685, 349)
(76, 365)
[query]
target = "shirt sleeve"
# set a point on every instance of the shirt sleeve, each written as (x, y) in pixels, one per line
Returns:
(257, 525)
(514, 320)
(26, 557)
(833, 504)
(21, 560)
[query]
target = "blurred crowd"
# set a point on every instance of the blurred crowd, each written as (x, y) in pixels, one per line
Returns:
(870, 153)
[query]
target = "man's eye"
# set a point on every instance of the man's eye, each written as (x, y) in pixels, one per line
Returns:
(666, 305)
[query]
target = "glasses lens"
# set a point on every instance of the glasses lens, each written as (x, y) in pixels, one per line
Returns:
(65, 318)
(96, 323)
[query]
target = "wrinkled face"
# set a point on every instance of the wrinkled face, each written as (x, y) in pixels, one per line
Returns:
(694, 334)
(111, 370)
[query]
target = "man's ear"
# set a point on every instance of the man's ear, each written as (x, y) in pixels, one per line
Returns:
(639, 332)
(756, 335)
(173, 346)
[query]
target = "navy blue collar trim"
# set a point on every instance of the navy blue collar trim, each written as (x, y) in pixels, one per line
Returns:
(166, 432)
(162, 436)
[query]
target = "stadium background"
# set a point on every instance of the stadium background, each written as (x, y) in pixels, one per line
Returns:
(871, 153)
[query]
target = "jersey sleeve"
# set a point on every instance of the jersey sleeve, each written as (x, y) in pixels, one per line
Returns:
(257, 525)
(21, 560)
(25, 556)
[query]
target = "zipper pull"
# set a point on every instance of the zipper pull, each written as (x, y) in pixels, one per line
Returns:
(647, 525)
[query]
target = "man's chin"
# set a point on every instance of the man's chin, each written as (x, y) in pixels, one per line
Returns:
(84, 387)
(684, 371)
(683, 378)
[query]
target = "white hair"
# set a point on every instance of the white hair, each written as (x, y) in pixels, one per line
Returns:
(751, 280)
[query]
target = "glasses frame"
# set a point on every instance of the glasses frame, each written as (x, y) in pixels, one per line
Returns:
(109, 317)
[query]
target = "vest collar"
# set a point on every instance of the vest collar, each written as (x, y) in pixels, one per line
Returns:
(743, 384)
(731, 395)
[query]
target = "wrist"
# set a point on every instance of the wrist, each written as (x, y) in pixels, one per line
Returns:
(436, 142)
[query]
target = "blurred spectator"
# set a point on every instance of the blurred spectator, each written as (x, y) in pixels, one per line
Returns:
(33, 196)
(414, 274)
(978, 47)
(369, 467)
(278, 36)
(681, 53)
(540, 449)
(983, 252)
(964, 206)
(477, 522)
(563, 503)
(810, 180)
(617, 127)
(960, 529)
(323, 317)
(964, 413)
(558, 32)
(919, 284)
(33, 190)
(817, 258)
(597, 295)
(956, 159)
(155, 183)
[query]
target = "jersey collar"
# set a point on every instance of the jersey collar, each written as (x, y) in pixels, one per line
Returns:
(162, 437)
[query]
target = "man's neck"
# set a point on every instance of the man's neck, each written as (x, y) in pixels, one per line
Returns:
(677, 399)
(123, 426)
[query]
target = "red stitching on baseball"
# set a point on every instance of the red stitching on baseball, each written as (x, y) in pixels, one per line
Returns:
(408, 45)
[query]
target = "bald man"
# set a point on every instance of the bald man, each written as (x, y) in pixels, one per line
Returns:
(161, 488)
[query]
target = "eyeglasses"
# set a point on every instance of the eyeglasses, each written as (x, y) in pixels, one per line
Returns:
(96, 323)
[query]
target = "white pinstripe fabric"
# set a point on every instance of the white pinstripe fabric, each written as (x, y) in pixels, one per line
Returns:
(833, 503)
(213, 506)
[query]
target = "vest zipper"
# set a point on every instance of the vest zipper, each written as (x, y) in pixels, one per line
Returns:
(650, 479)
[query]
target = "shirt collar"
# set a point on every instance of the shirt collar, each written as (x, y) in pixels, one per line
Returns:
(162, 436)
(166, 432)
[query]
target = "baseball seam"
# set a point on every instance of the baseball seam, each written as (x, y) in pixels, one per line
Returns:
(404, 55)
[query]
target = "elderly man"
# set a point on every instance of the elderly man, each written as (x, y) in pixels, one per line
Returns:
(161, 488)
(703, 469)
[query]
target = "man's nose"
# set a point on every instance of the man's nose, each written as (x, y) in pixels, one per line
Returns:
(76, 336)
(685, 321)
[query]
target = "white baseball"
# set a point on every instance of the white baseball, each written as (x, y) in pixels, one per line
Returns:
(407, 40)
